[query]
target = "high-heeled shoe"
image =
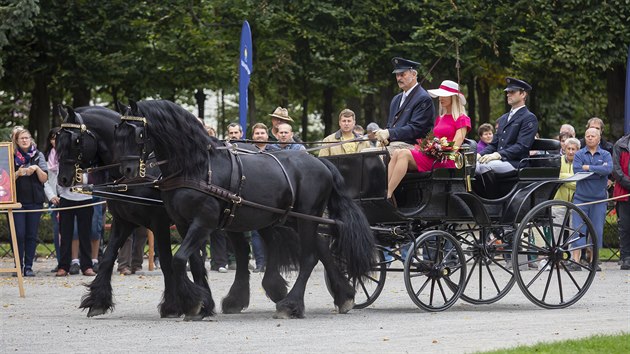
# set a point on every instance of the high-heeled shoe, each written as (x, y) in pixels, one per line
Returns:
(392, 201)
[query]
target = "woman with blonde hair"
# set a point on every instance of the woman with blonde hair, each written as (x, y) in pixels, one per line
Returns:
(452, 124)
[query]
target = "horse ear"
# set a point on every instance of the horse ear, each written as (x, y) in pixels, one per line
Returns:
(121, 108)
(62, 112)
(134, 106)
(71, 115)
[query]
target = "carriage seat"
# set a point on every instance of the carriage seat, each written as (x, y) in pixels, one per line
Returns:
(542, 164)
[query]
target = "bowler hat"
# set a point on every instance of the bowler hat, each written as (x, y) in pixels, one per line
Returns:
(516, 84)
(282, 113)
(402, 65)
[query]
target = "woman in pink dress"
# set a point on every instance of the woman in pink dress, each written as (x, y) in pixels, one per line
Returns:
(452, 124)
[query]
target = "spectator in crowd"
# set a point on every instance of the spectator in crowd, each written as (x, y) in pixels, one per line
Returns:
(621, 163)
(563, 138)
(131, 254)
(598, 124)
(211, 131)
(565, 192)
(486, 133)
(411, 112)
(31, 172)
(235, 131)
(285, 138)
(452, 124)
(358, 130)
(346, 132)
(259, 134)
(567, 128)
(219, 251)
(371, 128)
(515, 133)
(592, 158)
(80, 216)
(50, 188)
(280, 115)
(98, 218)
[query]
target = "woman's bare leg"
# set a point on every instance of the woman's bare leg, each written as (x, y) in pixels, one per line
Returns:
(404, 163)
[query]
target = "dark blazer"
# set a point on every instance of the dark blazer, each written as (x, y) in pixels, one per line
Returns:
(414, 119)
(514, 138)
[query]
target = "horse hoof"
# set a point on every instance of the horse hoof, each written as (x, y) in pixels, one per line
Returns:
(197, 317)
(170, 315)
(346, 306)
(95, 312)
(282, 315)
(230, 306)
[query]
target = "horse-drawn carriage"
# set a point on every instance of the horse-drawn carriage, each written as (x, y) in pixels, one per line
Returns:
(454, 241)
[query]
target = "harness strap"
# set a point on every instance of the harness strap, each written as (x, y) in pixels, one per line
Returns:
(175, 182)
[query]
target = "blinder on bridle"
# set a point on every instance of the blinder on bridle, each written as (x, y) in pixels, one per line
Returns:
(77, 132)
(140, 137)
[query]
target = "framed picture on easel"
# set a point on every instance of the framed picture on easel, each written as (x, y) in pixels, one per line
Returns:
(7, 175)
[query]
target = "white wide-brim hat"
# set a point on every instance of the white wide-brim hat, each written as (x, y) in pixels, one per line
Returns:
(448, 88)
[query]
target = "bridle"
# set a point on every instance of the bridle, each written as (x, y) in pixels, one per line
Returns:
(140, 139)
(77, 132)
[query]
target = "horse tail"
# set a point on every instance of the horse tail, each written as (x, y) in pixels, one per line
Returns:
(355, 240)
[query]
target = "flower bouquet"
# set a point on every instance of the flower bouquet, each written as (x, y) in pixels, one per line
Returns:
(438, 148)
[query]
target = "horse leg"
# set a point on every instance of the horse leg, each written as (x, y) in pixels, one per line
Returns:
(238, 297)
(195, 300)
(99, 300)
(169, 306)
(343, 292)
(274, 284)
(292, 306)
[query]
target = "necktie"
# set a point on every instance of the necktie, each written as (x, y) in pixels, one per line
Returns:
(402, 100)
(510, 115)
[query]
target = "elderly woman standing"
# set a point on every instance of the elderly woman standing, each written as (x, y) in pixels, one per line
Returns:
(566, 191)
(31, 173)
(592, 158)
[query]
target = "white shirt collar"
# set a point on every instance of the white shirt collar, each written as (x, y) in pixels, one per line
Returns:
(406, 93)
(516, 109)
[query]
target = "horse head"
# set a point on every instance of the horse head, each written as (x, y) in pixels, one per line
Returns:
(133, 145)
(76, 147)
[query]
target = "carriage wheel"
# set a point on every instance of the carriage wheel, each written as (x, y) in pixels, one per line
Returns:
(547, 237)
(368, 288)
(489, 277)
(435, 271)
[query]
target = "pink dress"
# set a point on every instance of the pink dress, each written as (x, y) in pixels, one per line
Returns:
(445, 126)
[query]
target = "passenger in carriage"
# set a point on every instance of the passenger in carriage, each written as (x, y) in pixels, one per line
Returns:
(411, 112)
(452, 124)
(347, 123)
(515, 135)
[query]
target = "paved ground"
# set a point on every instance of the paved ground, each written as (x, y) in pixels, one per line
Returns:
(48, 319)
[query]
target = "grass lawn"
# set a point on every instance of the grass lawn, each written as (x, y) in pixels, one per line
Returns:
(608, 344)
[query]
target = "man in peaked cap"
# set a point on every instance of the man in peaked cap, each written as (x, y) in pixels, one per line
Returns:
(411, 112)
(515, 133)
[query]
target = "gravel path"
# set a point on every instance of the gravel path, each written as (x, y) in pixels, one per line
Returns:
(48, 319)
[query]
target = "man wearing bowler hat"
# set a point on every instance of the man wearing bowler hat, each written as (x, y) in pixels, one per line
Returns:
(411, 112)
(515, 133)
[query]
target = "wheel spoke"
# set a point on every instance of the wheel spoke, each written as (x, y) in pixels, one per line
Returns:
(422, 287)
(494, 281)
(432, 291)
(559, 284)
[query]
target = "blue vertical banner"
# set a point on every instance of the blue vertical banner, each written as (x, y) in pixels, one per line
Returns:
(626, 119)
(245, 70)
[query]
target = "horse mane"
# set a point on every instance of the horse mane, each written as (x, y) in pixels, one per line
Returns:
(167, 124)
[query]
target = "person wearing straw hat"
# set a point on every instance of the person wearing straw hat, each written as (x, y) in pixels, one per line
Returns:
(280, 115)
(452, 124)
(347, 123)
(411, 112)
(516, 131)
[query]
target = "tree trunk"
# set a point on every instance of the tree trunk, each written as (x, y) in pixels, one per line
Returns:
(353, 103)
(386, 95)
(483, 98)
(221, 120)
(328, 109)
(368, 108)
(615, 89)
(472, 105)
(115, 99)
(305, 119)
(201, 103)
(81, 96)
(39, 116)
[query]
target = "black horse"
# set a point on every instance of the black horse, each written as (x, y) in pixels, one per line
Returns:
(205, 186)
(86, 140)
